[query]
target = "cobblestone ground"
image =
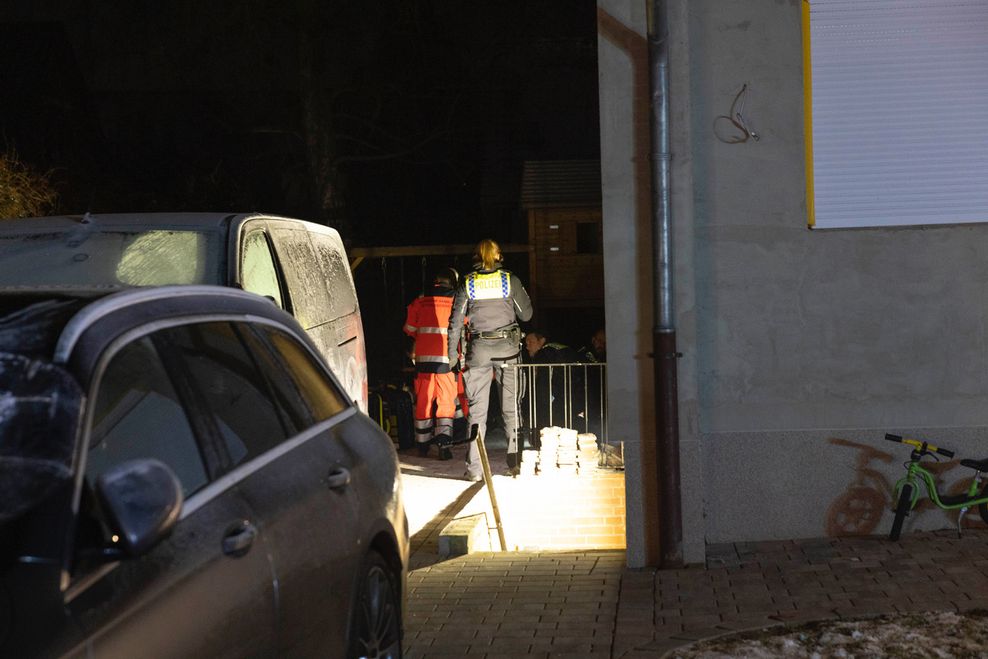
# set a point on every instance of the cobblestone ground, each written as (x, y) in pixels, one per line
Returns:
(586, 604)
(500, 605)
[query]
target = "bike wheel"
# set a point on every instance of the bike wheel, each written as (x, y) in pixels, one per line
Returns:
(983, 511)
(901, 510)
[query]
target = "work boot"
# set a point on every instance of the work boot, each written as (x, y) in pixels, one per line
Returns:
(423, 448)
(443, 442)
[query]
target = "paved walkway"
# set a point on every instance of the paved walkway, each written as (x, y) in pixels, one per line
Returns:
(587, 604)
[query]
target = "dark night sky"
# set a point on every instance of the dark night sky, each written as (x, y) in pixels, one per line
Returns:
(427, 109)
(397, 122)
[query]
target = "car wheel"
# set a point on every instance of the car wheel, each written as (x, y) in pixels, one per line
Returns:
(375, 622)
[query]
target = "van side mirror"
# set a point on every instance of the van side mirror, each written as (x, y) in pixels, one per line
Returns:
(143, 500)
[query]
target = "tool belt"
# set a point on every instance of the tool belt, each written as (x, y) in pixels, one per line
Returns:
(510, 333)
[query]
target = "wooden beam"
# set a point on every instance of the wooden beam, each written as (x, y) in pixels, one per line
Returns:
(426, 250)
(358, 254)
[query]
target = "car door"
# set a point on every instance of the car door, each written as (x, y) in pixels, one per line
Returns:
(293, 475)
(207, 590)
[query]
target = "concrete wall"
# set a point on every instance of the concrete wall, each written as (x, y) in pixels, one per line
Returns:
(798, 343)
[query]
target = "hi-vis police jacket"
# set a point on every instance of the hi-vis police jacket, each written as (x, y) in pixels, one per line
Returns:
(493, 301)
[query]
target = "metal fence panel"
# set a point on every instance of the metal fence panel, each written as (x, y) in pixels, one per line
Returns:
(565, 395)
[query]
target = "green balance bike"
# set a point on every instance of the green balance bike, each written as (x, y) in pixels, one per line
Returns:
(906, 492)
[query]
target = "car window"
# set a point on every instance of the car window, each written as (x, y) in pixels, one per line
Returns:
(258, 272)
(90, 256)
(235, 396)
(336, 274)
(283, 389)
(321, 396)
(137, 414)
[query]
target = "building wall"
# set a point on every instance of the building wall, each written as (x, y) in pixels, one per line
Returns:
(805, 346)
(625, 177)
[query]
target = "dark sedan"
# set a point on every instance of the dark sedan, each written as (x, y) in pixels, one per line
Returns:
(182, 476)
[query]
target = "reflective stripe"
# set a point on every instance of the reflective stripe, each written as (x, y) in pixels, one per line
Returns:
(432, 330)
(489, 286)
(428, 358)
(411, 329)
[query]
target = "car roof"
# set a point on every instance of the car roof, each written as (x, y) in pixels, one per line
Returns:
(95, 326)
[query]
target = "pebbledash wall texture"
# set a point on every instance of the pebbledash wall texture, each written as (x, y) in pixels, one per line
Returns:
(801, 347)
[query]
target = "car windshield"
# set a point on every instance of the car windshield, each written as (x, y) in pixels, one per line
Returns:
(95, 257)
(39, 411)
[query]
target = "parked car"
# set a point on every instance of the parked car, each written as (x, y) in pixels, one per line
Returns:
(181, 475)
(300, 266)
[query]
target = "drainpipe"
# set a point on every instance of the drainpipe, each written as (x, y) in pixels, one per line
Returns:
(664, 327)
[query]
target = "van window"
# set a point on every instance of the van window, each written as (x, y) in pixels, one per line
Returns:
(258, 273)
(336, 274)
(303, 275)
(154, 258)
(90, 256)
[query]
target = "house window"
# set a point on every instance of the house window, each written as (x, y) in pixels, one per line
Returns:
(896, 107)
(588, 238)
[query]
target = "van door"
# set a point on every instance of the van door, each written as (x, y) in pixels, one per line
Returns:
(344, 310)
(312, 305)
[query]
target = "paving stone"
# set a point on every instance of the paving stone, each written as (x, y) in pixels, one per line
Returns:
(583, 603)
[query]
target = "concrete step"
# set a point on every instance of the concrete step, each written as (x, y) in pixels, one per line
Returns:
(465, 535)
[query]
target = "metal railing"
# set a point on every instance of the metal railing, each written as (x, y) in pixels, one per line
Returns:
(565, 395)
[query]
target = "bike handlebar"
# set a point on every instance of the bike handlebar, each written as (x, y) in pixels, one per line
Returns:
(923, 447)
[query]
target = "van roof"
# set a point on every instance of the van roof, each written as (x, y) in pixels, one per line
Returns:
(187, 221)
(204, 221)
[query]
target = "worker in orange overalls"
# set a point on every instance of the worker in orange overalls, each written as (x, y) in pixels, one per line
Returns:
(435, 383)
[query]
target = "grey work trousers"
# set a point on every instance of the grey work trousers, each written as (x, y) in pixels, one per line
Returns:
(485, 361)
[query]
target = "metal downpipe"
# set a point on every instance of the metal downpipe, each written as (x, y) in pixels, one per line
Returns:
(664, 326)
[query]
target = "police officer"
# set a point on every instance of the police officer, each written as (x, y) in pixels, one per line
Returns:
(492, 300)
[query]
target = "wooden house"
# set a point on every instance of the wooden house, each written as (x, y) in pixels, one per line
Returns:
(562, 200)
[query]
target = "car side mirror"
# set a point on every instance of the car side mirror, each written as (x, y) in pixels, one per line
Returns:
(143, 500)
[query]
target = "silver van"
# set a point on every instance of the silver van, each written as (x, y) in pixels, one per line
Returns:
(300, 266)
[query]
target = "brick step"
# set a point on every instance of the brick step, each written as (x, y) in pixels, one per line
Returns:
(465, 535)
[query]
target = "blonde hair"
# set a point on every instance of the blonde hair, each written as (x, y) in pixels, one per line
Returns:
(487, 253)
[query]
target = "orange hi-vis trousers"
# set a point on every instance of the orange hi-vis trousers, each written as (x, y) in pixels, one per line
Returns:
(435, 395)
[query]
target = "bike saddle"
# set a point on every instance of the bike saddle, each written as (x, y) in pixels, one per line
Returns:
(980, 465)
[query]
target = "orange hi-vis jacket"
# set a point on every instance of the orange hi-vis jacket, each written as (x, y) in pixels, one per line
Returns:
(427, 322)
